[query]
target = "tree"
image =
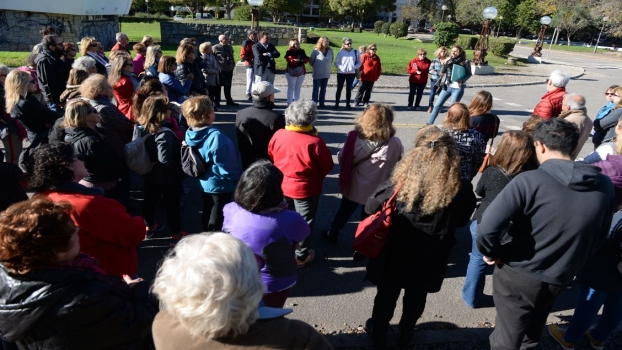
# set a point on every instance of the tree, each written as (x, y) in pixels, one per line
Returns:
(611, 10)
(398, 29)
(277, 8)
(571, 18)
(228, 5)
(446, 33)
(358, 9)
(378, 27)
(528, 16)
(412, 11)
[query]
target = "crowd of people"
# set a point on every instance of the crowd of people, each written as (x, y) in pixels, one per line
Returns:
(68, 260)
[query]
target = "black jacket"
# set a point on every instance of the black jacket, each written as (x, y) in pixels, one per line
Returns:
(198, 83)
(605, 128)
(418, 247)
(100, 161)
(265, 62)
(52, 74)
(35, 117)
(114, 124)
(255, 126)
(72, 308)
(560, 215)
(164, 149)
(10, 190)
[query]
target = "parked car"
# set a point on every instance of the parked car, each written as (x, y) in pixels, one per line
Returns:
(204, 16)
(178, 18)
(412, 29)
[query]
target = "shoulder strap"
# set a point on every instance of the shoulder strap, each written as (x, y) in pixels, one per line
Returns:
(362, 160)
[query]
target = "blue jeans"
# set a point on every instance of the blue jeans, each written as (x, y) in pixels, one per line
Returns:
(319, 86)
(475, 280)
(432, 93)
(456, 96)
(589, 302)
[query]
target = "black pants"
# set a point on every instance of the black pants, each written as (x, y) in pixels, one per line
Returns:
(523, 304)
(121, 192)
(413, 304)
(346, 209)
(348, 79)
(171, 195)
(214, 93)
(213, 203)
(415, 89)
(364, 93)
(225, 81)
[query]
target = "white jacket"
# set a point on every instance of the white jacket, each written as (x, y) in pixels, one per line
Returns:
(347, 62)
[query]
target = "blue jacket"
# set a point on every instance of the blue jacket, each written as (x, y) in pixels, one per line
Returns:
(222, 158)
(176, 91)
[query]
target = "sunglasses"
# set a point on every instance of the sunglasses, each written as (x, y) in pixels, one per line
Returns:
(610, 94)
(347, 43)
(79, 157)
(373, 49)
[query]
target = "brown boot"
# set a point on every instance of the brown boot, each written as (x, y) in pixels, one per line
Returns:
(430, 109)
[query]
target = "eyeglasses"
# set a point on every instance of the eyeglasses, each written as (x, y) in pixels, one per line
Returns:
(606, 93)
(347, 43)
(79, 157)
(373, 49)
(421, 54)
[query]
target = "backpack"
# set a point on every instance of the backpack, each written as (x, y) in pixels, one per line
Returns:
(192, 163)
(136, 156)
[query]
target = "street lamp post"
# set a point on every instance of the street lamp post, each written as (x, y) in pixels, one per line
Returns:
(481, 47)
(444, 8)
(255, 12)
(147, 3)
(605, 19)
(537, 50)
(449, 18)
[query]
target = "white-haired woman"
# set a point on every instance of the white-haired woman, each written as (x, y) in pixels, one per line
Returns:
(210, 292)
(154, 52)
(305, 160)
(85, 63)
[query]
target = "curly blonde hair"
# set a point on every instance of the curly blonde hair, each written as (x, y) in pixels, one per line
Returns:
(429, 175)
(375, 123)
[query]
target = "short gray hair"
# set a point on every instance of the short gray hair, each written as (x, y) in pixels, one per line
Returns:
(84, 63)
(574, 101)
(302, 113)
(121, 35)
(210, 283)
(559, 78)
(4, 69)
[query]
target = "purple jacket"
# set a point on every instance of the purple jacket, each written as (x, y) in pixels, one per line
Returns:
(271, 236)
(612, 167)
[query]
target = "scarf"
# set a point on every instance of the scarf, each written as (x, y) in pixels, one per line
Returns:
(346, 164)
(97, 58)
(133, 78)
(308, 129)
(605, 110)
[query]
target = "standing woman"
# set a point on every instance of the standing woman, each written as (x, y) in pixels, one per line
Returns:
(321, 60)
(470, 143)
(347, 62)
(187, 70)
(88, 47)
(295, 73)
(211, 70)
(440, 57)
(481, 118)
(371, 68)
(123, 82)
(154, 52)
(418, 70)
(367, 160)
(432, 201)
(451, 86)
(515, 154)
(12, 140)
(164, 180)
(177, 90)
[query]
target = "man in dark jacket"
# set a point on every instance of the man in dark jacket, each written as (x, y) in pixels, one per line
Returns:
(224, 55)
(552, 235)
(52, 72)
(255, 125)
(265, 53)
(246, 55)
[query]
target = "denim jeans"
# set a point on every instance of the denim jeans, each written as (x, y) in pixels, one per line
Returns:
(454, 93)
(589, 302)
(432, 93)
(475, 280)
(319, 86)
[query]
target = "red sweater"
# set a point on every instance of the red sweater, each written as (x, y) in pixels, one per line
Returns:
(118, 47)
(551, 104)
(246, 52)
(123, 92)
(304, 160)
(370, 67)
(107, 232)
(422, 66)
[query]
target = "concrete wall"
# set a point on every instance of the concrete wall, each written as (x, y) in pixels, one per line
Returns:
(173, 32)
(19, 30)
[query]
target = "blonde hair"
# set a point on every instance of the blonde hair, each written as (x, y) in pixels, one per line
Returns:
(210, 284)
(480, 104)
(153, 113)
(438, 51)
(77, 76)
(205, 46)
(93, 86)
(75, 114)
(116, 69)
(428, 177)
(320, 43)
(618, 91)
(152, 54)
(117, 53)
(195, 109)
(457, 117)
(618, 144)
(146, 39)
(375, 123)
(422, 50)
(16, 87)
(85, 43)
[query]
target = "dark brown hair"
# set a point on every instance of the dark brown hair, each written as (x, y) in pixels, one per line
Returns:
(33, 232)
(183, 51)
(531, 123)
(166, 64)
(151, 87)
(480, 104)
(515, 153)
(153, 113)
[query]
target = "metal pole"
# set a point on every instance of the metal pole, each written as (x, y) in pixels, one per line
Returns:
(443, 18)
(547, 53)
(597, 41)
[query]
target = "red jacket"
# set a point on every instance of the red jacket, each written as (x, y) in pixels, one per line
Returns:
(123, 92)
(304, 160)
(370, 67)
(551, 104)
(118, 47)
(246, 52)
(422, 66)
(292, 56)
(107, 232)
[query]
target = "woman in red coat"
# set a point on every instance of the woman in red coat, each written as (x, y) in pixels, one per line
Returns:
(107, 232)
(417, 77)
(370, 72)
(121, 79)
(295, 74)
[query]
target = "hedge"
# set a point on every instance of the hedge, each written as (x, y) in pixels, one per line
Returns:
(501, 47)
(467, 42)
